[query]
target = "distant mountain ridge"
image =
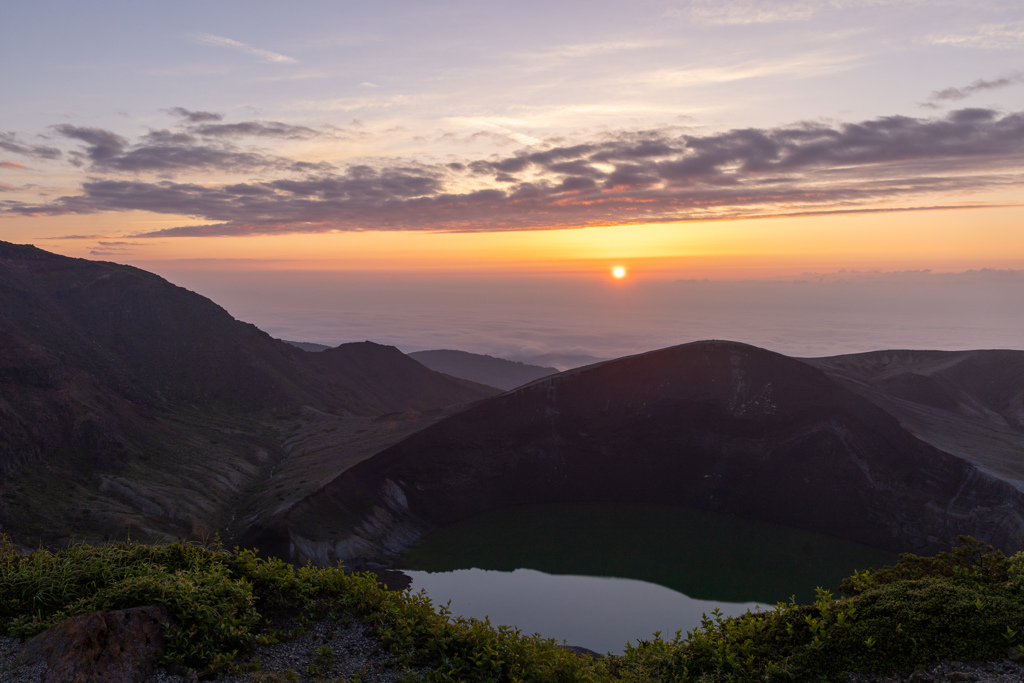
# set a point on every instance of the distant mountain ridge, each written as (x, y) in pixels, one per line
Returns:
(561, 361)
(312, 347)
(713, 425)
(968, 403)
(495, 372)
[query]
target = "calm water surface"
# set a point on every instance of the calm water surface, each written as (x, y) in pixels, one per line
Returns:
(599, 575)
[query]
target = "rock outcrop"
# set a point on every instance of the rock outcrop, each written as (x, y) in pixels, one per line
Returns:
(100, 647)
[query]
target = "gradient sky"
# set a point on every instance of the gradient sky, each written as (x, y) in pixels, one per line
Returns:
(723, 140)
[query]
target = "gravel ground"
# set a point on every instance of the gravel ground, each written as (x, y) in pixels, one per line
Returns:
(354, 651)
(1004, 671)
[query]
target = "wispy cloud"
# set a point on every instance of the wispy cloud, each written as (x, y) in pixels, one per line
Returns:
(744, 12)
(11, 143)
(259, 129)
(221, 41)
(200, 146)
(738, 12)
(956, 94)
(12, 165)
(1002, 36)
(117, 248)
(580, 50)
(796, 66)
(195, 116)
(504, 130)
(626, 177)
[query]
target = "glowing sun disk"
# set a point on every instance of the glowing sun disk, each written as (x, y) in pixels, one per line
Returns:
(618, 272)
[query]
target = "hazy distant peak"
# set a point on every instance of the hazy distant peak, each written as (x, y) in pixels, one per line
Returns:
(496, 372)
(312, 347)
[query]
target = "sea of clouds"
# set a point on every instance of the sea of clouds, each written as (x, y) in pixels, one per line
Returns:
(808, 315)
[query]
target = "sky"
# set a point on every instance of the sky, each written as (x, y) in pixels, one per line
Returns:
(467, 174)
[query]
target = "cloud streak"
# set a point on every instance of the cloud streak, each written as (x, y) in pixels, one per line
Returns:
(956, 94)
(1004, 36)
(11, 143)
(627, 177)
(170, 152)
(265, 55)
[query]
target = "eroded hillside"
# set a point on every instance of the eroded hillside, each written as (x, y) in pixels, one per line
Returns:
(131, 406)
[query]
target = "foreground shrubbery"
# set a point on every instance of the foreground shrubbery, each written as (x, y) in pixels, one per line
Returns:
(962, 605)
(966, 604)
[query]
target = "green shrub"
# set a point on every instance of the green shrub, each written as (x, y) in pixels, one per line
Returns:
(964, 604)
(218, 599)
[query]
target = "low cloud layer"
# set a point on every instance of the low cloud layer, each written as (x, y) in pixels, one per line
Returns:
(627, 177)
(816, 314)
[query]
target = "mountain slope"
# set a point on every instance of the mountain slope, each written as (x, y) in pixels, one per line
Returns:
(968, 403)
(712, 425)
(378, 379)
(128, 402)
(494, 372)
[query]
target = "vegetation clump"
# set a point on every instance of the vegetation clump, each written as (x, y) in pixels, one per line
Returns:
(963, 604)
(967, 604)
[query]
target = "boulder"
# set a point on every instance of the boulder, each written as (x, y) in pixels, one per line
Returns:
(112, 647)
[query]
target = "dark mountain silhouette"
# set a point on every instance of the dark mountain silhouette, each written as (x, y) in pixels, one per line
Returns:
(312, 347)
(105, 366)
(494, 372)
(711, 425)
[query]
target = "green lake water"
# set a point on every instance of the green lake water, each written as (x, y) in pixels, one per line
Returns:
(599, 575)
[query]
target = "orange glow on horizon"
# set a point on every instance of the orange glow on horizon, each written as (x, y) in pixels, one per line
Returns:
(937, 240)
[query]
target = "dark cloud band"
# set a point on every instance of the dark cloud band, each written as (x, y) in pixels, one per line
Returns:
(629, 177)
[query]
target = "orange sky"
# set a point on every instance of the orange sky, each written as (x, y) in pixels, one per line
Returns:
(942, 240)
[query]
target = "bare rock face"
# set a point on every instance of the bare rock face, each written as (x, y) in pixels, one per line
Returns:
(112, 647)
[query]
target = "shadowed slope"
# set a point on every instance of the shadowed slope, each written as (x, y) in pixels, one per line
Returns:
(380, 379)
(712, 425)
(969, 403)
(495, 372)
(113, 381)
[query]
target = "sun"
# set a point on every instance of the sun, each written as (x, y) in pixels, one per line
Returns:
(618, 272)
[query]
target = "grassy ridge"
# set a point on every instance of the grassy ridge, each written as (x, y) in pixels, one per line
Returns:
(964, 604)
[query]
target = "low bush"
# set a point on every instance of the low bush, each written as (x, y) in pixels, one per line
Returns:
(964, 604)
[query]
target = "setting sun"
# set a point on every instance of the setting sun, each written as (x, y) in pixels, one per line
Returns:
(618, 272)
